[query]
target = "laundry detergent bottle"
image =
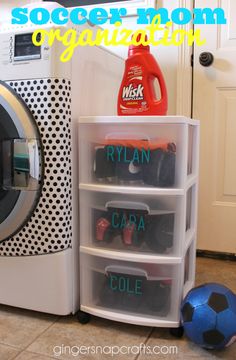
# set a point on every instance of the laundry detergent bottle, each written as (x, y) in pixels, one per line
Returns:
(137, 95)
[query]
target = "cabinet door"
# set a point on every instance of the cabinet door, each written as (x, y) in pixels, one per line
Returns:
(214, 96)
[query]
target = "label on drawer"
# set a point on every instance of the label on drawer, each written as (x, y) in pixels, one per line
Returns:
(120, 220)
(123, 154)
(126, 284)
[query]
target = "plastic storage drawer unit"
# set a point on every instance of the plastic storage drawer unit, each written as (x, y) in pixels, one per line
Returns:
(138, 185)
(136, 289)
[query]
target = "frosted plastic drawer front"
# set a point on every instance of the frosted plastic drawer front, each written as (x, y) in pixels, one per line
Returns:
(130, 164)
(133, 288)
(134, 223)
(146, 155)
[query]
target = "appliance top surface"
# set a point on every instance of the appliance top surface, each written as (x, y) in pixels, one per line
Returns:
(20, 59)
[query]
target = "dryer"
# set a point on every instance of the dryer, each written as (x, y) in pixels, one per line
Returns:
(41, 99)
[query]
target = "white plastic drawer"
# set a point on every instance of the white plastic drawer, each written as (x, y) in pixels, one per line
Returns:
(137, 223)
(154, 155)
(131, 288)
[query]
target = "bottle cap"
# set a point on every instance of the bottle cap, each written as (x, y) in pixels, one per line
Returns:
(134, 49)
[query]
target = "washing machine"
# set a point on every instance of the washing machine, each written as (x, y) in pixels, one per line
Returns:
(41, 99)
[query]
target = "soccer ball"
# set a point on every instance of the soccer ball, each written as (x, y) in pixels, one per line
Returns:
(209, 316)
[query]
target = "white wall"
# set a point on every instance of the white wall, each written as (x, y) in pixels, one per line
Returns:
(167, 57)
(7, 5)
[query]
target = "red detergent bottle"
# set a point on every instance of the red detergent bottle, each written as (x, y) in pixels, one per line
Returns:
(137, 94)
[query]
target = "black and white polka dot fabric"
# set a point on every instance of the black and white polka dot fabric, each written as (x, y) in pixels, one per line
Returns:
(49, 228)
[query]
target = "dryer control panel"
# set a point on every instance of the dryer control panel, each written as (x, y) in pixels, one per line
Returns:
(24, 49)
(21, 59)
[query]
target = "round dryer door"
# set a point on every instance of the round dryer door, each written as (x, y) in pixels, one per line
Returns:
(21, 163)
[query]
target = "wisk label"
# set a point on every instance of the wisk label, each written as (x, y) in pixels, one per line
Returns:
(133, 93)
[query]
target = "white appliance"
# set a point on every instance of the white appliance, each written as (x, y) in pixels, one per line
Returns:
(40, 100)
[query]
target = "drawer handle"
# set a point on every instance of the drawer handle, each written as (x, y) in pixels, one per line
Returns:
(126, 270)
(126, 135)
(129, 205)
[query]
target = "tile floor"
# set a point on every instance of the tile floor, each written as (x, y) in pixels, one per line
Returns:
(26, 335)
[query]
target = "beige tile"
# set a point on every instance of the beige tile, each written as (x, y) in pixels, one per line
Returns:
(25, 355)
(228, 353)
(7, 352)
(19, 328)
(185, 348)
(223, 272)
(98, 332)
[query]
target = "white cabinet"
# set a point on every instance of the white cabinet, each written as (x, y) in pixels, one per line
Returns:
(138, 184)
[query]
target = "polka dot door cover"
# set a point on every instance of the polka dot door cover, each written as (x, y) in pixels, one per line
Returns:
(47, 227)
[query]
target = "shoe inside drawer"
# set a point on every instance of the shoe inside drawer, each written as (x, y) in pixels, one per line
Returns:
(134, 230)
(147, 155)
(131, 222)
(135, 162)
(135, 288)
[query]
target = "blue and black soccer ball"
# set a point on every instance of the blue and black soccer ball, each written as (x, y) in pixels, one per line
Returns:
(209, 316)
